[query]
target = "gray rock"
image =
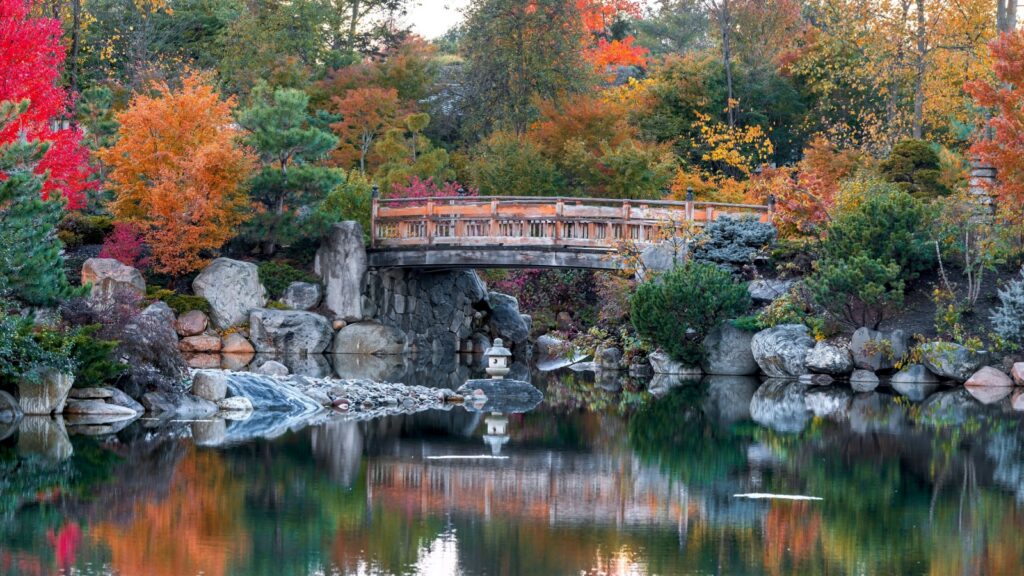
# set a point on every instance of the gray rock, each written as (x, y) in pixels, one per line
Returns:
(502, 395)
(272, 368)
(235, 404)
(816, 379)
(781, 351)
(863, 381)
(108, 275)
(952, 361)
(98, 408)
(727, 351)
(663, 256)
(874, 350)
(289, 332)
(119, 398)
(830, 358)
(662, 363)
(914, 374)
(608, 358)
(233, 290)
(93, 393)
(832, 402)
(766, 290)
(341, 264)
(780, 405)
(301, 296)
(191, 323)
(988, 376)
(184, 406)
(506, 321)
(369, 338)
(45, 396)
(210, 385)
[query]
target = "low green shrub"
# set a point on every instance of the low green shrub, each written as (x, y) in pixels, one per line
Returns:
(77, 229)
(915, 167)
(1008, 317)
(888, 226)
(857, 291)
(276, 276)
(676, 310)
(94, 359)
(180, 303)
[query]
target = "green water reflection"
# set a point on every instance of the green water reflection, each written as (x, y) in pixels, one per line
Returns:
(643, 490)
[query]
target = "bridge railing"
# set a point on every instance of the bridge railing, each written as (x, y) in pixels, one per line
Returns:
(538, 221)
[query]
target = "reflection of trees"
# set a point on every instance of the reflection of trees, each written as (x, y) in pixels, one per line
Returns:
(197, 528)
(676, 434)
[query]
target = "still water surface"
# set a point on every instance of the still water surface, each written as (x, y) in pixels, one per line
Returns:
(591, 482)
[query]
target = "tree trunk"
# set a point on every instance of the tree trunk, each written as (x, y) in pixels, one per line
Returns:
(353, 25)
(920, 69)
(1006, 15)
(725, 23)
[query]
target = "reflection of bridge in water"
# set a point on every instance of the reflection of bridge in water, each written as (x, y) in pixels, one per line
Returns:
(557, 488)
(516, 232)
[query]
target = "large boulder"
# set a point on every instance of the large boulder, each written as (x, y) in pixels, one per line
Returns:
(830, 358)
(662, 363)
(301, 296)
(108, 275)
(341, 264)
(506, 321)
(952, 361)
(914, 374)
(369, 338)
(235, 343)
(874, 350)
(781, 351)
(988, 376)
(863, 381)
(204, 343)
(289, 331)
(727, 351)
(233, 290)
(768, 290)
(45, 394)
(210, 385)
(608, 358)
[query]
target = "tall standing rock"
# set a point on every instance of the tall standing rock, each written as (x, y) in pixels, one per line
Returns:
(233, 290)
(727, 351)
(341, 264)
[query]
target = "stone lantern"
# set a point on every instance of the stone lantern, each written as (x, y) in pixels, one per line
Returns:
(497, 432)
(498, 358)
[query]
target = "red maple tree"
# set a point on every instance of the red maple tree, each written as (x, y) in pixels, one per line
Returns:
(31, 58)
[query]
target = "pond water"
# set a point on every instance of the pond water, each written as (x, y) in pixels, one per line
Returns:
(597, 480)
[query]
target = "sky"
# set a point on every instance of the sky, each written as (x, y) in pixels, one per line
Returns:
(432, 18)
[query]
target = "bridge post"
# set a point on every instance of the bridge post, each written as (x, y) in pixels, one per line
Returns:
(493, 224)
(559, 223)
(373, 216)
(688, 210)
(431, 224)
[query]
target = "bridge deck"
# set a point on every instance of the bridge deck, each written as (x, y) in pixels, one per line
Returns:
(503, 232)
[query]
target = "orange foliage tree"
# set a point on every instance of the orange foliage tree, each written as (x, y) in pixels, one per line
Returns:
(604, 50)
(366, 113)
(178, 171)
(1002, 143)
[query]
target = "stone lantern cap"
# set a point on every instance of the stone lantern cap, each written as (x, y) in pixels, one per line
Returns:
(498, 349)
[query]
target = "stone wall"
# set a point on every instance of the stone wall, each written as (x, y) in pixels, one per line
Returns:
(438, 311)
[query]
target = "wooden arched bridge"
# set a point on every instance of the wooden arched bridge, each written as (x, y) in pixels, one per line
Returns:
(528, 232)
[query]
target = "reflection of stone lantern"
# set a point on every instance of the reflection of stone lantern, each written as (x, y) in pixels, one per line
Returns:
(497, 431)
(498, 358)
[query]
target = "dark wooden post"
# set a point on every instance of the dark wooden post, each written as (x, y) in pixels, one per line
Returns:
(689, 204)
(375, 205)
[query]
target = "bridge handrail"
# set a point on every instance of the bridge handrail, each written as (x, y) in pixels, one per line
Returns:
(452, 200)
(537, 220)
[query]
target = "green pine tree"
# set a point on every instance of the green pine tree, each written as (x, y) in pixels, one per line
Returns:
(289, 144)
(32, 265)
